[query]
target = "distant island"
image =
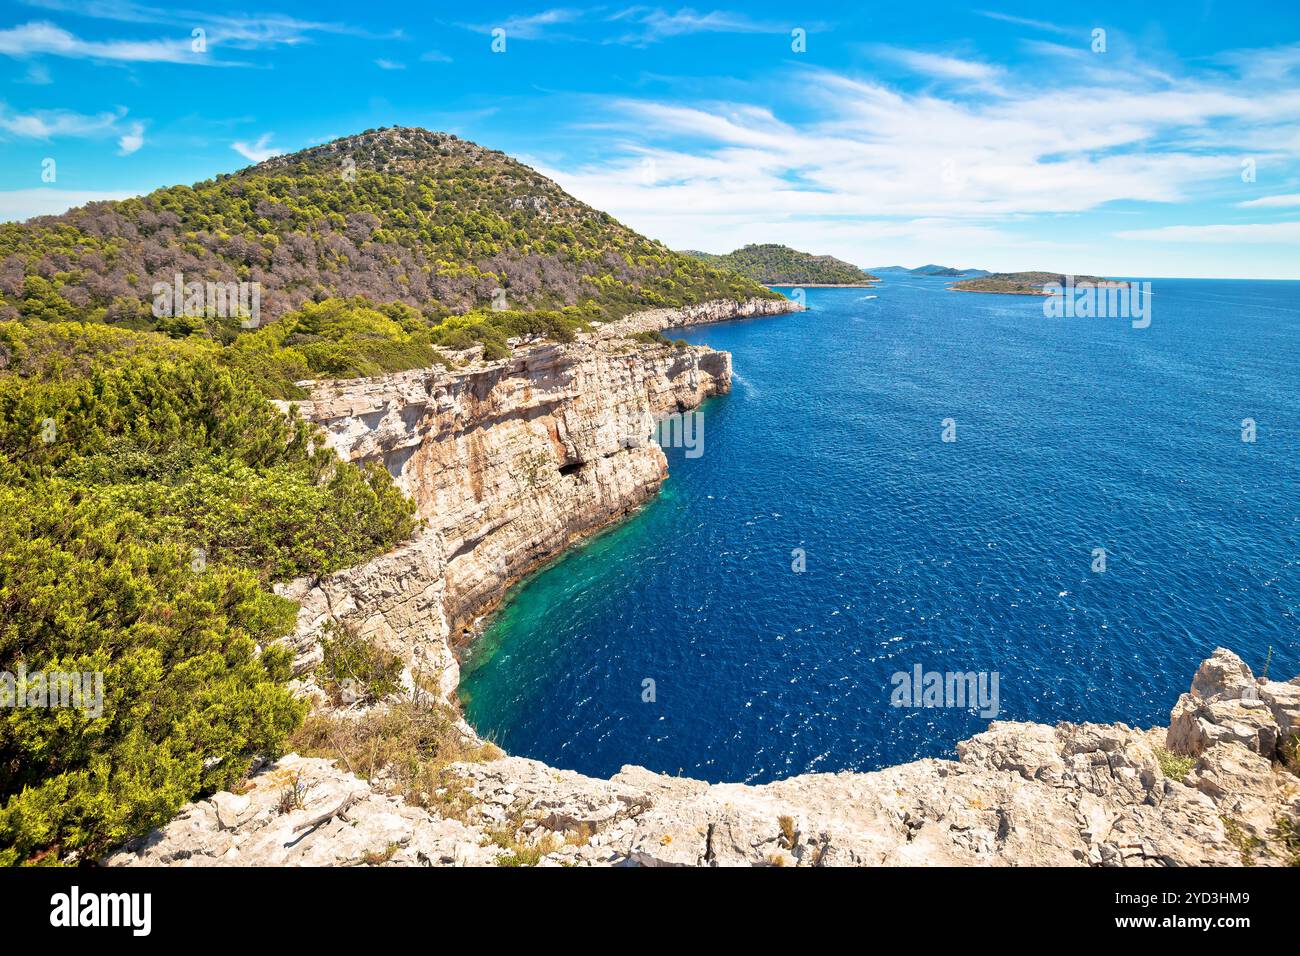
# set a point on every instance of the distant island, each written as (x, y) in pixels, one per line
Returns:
(1029, 283)
(934, 270)
(773, 264)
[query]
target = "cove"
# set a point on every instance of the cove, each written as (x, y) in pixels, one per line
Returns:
(976, 555)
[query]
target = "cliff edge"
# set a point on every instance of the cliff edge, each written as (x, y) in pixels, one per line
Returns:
(510, 461)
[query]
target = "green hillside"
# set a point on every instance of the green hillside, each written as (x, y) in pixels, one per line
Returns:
(773, 264)
(393, 215)
(1025, 283)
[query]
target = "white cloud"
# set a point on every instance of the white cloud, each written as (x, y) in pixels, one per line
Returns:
(243, 32)
(636, 25)
(1275, 63)
(43, 37)
(389, 64)
(652, 24)
(434, 56)
(981, 173)
(1272, 202)
(532, 27)
(131, 140)
(19, 204)
(38, 74)
(247, 30)
(1025, 22)
(259, 151)
(1256, 232)
(939, 66)
(48, 124)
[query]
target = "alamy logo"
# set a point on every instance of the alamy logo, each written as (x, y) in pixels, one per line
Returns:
(969, 690)
(69, 689)
(1110, 300)
(668, 430)
(74, 908)
(212, 300)
(681, 430)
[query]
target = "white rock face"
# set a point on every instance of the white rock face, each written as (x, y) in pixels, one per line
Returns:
(1019, 795)
(266, 828)
(510, 461)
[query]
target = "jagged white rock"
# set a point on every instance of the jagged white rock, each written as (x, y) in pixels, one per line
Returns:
(1019, 794)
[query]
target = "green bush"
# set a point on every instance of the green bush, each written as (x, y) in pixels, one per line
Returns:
(336, 338)
(358, 666)
(492, 329)
(1174, 766)
(651, 337)
(150, 494)
(193, 686)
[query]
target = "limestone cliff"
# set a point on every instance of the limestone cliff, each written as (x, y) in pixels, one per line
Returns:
(510, 461)
(507, 462)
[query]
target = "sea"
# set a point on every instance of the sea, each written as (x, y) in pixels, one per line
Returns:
(916, 512)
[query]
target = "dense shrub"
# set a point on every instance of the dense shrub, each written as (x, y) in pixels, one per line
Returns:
(192, 685)
(333, 339)
(493, 329)
(150, 494)
(355, 670)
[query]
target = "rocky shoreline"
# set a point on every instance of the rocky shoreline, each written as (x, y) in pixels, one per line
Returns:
(1205, 791)
(511, 461)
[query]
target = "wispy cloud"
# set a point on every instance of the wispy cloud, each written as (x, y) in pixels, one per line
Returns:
(19, 204)
(859, 159)
(636, 25)
(39, 37)
(384, 64)
(194, 37)
(654, 24)
(38, 74)
(1272, 202)
(1255, 232)
(535, 26)
(51, 124)
(258, 151)
(942, 67)
(1275, 63)
(434, 56)
(244, 30)
(1026, 22)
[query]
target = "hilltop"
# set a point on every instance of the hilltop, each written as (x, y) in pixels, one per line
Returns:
(396, 215)
(773, 264)
(1027, 283)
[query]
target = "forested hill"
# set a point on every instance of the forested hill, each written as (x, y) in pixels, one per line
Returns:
(393, 215)
(773, 264)
(1028, 283)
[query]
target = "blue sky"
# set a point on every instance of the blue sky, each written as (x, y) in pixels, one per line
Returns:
(1004, 137)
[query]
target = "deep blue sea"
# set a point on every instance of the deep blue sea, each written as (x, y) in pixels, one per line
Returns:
(975, 555)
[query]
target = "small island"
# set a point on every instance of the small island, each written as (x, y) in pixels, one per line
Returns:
(1030, 283)
(773, 264)
(933, 270)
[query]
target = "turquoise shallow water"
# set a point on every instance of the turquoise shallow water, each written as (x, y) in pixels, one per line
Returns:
(976, 555)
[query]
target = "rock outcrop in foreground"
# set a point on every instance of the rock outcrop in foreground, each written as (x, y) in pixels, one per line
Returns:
(1019, 794)
(510, 461)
